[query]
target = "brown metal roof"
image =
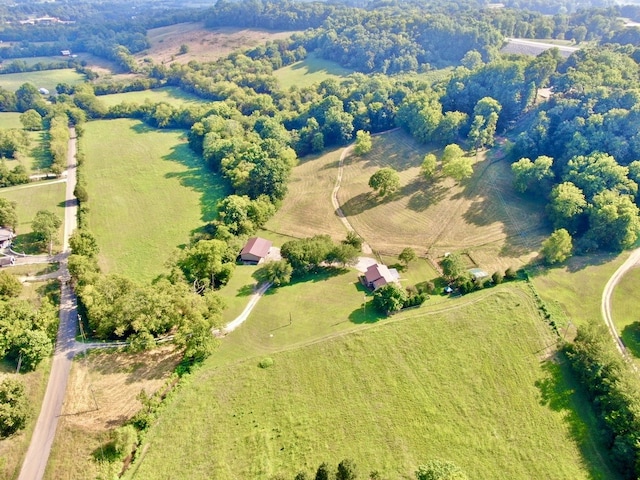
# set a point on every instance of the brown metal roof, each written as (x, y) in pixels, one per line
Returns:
(257, 246)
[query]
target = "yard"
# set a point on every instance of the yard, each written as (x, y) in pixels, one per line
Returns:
(311, 70)
(147, 193)
(171, 95)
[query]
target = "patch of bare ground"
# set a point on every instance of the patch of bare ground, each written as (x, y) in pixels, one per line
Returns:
(204, 44)
(102, 395)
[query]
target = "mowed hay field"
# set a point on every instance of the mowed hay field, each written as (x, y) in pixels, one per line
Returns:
(470, 385)
(204, 44)
(309, 71)
(147, 193)
(45, 78)
(625, 308)
(101, 396)
(482, 215)
(171, 95)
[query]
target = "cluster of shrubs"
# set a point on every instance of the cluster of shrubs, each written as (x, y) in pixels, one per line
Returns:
(466, 283)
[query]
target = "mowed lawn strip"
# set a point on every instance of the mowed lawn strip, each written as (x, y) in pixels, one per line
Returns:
(467, 385)
(171, 95)
(147, 193)
(42, 79)
(309, 71)
(625, 307)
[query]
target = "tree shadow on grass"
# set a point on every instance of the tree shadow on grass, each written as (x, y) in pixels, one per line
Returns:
(210, 185)
(561, 393)
(246, 290)
(423, 194)
(40, 153)
(631, 338)
(367, 314)
(358, 204)
(29, 243)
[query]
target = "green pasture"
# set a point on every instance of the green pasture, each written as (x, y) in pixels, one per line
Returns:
(471, 384)
(46, 78)
(33, 60)
(30, 198)
(626, 310)
(311, 70)
(10, 120)
(147, 193)
(171, 95)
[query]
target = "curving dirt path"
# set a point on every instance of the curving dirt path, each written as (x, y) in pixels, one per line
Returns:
(607, 293)
(37, 455)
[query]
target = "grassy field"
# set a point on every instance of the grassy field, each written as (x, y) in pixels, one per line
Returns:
(147, 193)
(471, 385)
(171, 95)
(31, 198)
(625, 308)
(10, 120)
(47, 79)
(36, 158)
(205, 45)
(114, 380)
(309, 71)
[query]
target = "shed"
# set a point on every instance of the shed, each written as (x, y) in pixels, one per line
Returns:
(6, 235)
(378, 275)
(478, 273)
(256, 250)
(65, 53)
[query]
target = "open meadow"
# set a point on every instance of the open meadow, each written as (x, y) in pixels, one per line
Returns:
(147, 193)
(471, 383)
(43, 79)
(171, 95)
(625, 308)
(102, 395)
(30, 198)
(204, 45)
(311, 70)
(36, 158)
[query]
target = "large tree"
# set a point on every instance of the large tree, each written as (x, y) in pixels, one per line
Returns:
(14, 406)
(385, 181)
(45, 226)
(440, 470)
(8, 215)
(558, 247)
(389, 298)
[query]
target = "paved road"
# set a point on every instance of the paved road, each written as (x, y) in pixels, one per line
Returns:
(607, 293)
(37, 456)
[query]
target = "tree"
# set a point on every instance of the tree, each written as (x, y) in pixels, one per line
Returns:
(535, 176)
(452, 265)
(613, 221)
(346, 470)
(8, 215)
(323, 472)
(278, 273)
(14, 406)
(208, 263)
(385, 181)
(184, 48)
(31, 120)
(354, 240)
(82, 242)
(363, 143)
(123, 439)
(472, 60)
(389, 298)
(45, 226)
(429, 166)
(497, 278)
(34, 347)
(558, 247)
(407, 255)
(440, 470)
(567, 204)
(10, 286)
(451, 152)
(458, 169)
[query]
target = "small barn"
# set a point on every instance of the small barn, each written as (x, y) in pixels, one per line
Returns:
(379, 275)
(255, 251)
(6, 235)
(478, 274)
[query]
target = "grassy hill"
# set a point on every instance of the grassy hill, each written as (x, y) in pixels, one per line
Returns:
(471, 384)
(311, 70)
(171, 95)
(44, 78)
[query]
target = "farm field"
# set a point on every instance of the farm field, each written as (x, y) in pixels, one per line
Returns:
(307, 209)
(45, 78)
(482, 216)
(470, 384)
(171, 95)
(114, 380)
(204, 44)
(31, 198)
(309, 71)
(625, 308)
(147, 192)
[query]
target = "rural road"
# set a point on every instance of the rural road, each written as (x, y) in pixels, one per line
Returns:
(607, 293)
(240, 319)
(37, 455)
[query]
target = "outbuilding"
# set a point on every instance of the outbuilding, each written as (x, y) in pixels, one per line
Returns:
(379, 275)
(6, 235)
(255, 251)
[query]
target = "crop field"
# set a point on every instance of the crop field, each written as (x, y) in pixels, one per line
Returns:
(147, 192)
(309, 71)
(471, 384)
(205, 45)
(625, 308)
(46, 78)
(171, 95)
(307, 209)
(101, 396)
(31, 198)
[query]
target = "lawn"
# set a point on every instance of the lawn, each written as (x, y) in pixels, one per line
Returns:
(311, 70)
(31, 198)
(625, 308)
(10, 120)
(470, 385)
(147, 193)
(44, 79)
(171, 95)
(37, 157)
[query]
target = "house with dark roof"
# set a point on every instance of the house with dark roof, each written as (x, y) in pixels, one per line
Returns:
(379, 275)
(256, 250)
